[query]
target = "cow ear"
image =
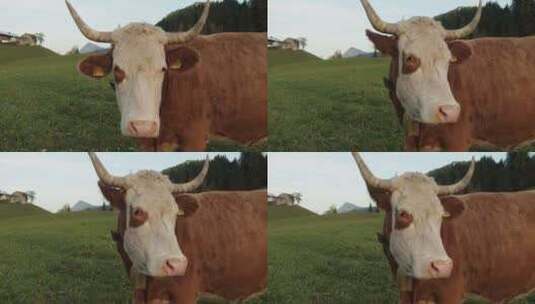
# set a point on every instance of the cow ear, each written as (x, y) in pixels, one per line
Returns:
(453, 206)
(460, 51)
(385, 44)
(187, 203)
(116, 196)
(182, 59)
(96, 66)
(381, 197)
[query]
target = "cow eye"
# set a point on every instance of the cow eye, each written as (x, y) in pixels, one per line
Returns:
(403, 219)
(411, 64)
(118, 74)
(138, 217)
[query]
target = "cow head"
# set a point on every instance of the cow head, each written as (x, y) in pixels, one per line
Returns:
(149, 205)
(416, 207)
(138, 61)
(422, 51)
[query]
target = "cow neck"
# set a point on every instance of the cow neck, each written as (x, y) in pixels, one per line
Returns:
(413, 129)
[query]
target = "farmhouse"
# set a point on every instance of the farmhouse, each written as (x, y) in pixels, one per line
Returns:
(16, 197)
(284, 199)
(286, 44)
(6, 37)
(25, 39)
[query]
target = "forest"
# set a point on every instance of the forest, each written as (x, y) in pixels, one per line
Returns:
(248, 172)
(225, 16)
(515, 173)
(514, 20)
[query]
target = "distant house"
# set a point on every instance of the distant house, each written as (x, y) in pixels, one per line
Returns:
(290, 44)
(10, 38)
(284, 199)
(27, 39)
(19, 197)
(6, 37)
(16, 197)
(286, 44)
(274, 43)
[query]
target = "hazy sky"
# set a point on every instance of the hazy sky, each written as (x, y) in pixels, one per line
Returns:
(325, 179)
(61, 178)
(52, 17)
(340, 24)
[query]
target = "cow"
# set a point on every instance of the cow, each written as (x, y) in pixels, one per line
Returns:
(441, 246)
(453, 95)
(178, 246)
(177, 90)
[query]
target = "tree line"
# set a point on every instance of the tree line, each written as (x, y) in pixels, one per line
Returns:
(515, 173)
(248, 172)
(225, 16)
(514, 20)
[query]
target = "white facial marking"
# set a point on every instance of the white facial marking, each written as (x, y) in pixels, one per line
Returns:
(425, 93)
(415, 247)
(139, 51)
(153, 243)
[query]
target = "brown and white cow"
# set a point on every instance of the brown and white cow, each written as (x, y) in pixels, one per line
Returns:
(456, 94)
(178, 247)
(176, 90)
(442, 246)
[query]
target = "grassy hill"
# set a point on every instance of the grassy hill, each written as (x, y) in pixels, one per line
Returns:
(331, 105)
(284, 212)
(48, 105)
(8, 210)
(10, 53)
(283, 57)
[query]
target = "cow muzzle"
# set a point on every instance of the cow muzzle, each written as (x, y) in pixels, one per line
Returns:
(142, 129)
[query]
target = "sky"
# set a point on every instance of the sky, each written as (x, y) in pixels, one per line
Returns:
(327, 179)
(53, 19)
(66, 178)
(340, 24)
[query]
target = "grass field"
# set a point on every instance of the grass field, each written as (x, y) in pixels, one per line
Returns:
(329, 259)
(48, 106)
(338, 105)
(68, 258)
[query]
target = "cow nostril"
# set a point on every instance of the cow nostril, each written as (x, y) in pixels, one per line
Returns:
(170, 265)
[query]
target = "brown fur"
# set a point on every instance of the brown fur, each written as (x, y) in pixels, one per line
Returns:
(225, 241)
(491, 244)
(494, 87)
(224, 94)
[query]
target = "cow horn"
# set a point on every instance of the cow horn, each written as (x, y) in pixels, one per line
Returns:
(461, 185)
(103, 174)
(88, 32)
(468, 29)
(194, 31)
(370, 179)
(377, 23)
(195, 183)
